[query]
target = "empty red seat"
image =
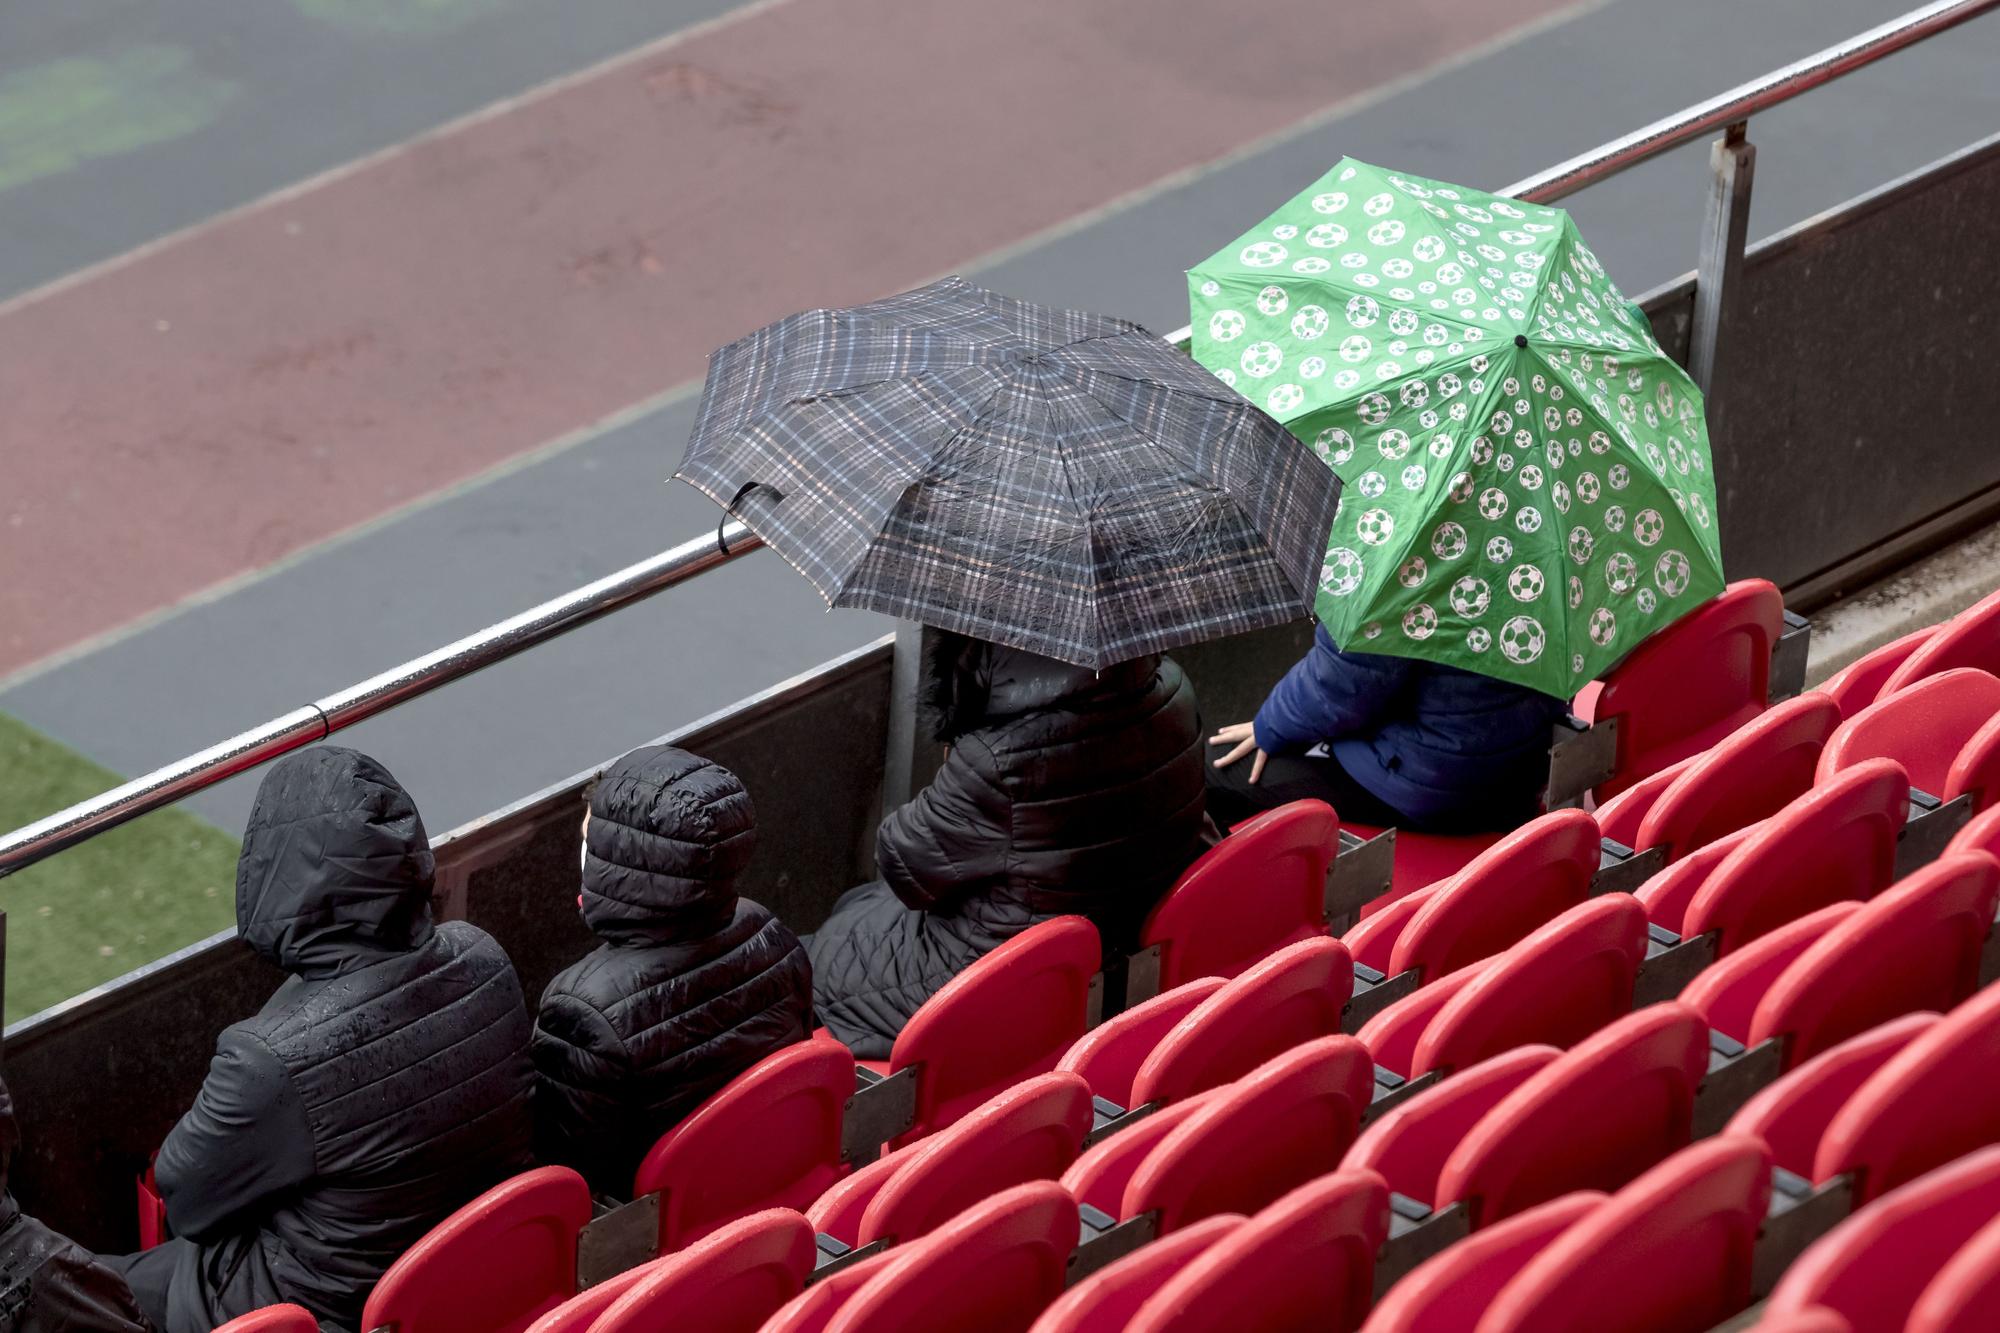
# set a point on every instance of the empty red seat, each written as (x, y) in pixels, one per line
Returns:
(1791, 1112)
(1620, 817)
(1527, 878)
(1749, 774)
(1447, 1290)
(814, 1308)
(1728, 991)
(730, 1281)
(1669, 1253)
(1291, 997)
(1100, 1175)
(273, 1319)
(1965, 1292)
(1975, 772)
(1392, 1035)
(1980, 834)
(1275, 1128)
(769, 1139)
(499, 1263)
(580, 1313)
(1106, 1301)
(1668, 893)
(1307, 1261)
(1421, 859)
(1407, 1145)
(1871, 1268)
(1814, 1319)
(1593, 1118)
(1922, 726)
(1566, 980)
(837, 1212)
(1836, 842)
(993, 1269)
(1109, 1055)
(1969, 639)
(1259, 889)
(1009, 1016)
(1860, 682)
(1372, 941)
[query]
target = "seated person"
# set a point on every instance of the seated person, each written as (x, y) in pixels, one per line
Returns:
(1416, 745)
(383, 1085)
(692, 984)
(1063, 790)
(48, 1283)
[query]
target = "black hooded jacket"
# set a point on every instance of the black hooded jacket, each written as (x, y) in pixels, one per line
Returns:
(692, 984)
(48, 1284)
(382, 1086)
(1064, 791)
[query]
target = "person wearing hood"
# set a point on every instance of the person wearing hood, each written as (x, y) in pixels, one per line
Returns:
(692, 984)
(382, 1086)
(1063, 790)
(48, 1283)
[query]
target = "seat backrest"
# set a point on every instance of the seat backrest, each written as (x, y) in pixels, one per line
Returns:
(1860, 682)
(273, 1319)
(1668, 893)
(1293, 996)
(1963, 1295)
(1692, 683)
(500, 1262)
(1975, 772)
(1106, 1301)
(1928, 1103)
(1872, 1266)
(1621, 817)
(1813, 1319)
(1109, 1055)
(1916, 945)
(1728, 991)
(837, 1212)
(1980, 834)
(1753, 772)
(1560, 984)
(1836, 842)
(1594, 1118)
(814, 1308)
(1442, 1293)
(1032, 1131)
(1527, 878)
(1259, 889)
(1009, 1016)
(1273, 1129)
(1969, 639)
(1392, 1035)
(992, 1269)
(1672, 1250)
(581, 1312)
(1306, 1261)
(769, 1139)
(1407, 1145)
(1372, 940)
(1791, 1112)
(730, 1281)
(1100, 1175)
(1922, 726)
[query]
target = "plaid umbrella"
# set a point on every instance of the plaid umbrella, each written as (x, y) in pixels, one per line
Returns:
(1048, 479)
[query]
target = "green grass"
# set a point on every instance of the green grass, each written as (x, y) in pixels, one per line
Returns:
(107, 905)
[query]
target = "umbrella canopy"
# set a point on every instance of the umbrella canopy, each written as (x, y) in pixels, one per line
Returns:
(1052, 480)
(1529, 491)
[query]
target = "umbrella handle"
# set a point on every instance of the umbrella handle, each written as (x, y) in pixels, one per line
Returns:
(729, 509)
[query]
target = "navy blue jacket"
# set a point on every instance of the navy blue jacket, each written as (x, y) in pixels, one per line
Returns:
(1448, 748)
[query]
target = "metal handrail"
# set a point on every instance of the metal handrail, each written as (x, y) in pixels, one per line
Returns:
(317, 720)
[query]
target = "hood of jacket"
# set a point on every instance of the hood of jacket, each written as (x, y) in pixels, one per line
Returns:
(336, 867)
(974, 682)
(670, 833)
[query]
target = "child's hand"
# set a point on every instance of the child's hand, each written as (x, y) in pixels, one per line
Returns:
(1243, 736)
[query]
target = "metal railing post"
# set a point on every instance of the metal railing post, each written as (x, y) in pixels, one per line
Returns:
(906, 674)
(1732, 164)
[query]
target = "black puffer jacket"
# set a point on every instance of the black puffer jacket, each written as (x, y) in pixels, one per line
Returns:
(692, 985)
(1064, 792)
(382, 1086)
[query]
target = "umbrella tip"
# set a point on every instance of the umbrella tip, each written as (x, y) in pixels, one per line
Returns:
(1520, 340)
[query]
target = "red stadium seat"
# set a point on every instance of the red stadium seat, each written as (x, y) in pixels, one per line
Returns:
(1976, 770)
(1421, 859)
(730, 1281)
(1815, 1319)
(1109, 1055)
(580, 1313)
(1009, 1016)
(1444, 1292)
(273, 1319)
(1106, 1301)
(993, 1269)
(1560, 984)
(1669, 1253)
(1373, 940)
(1620, 818)
(1964, 1295)
(1407, 1145)
(1275, 1128)
(499, 1263)
(1307, 1261)
(1259, 889)
(1032, 1131)
(1922, 727)
(769, 1139)
(1729, 990)
(1792, 1112)
(1916, 945)
(1980, 834)
(1693, 683)
(1666, 895)
(1836, 842)
(814, 1308)
(1527, 878)
(1871, 1268)
(1969, 639)
(1594, 1118)
(1928, 1103)
(1392, 1035)
(1752, 773)
(1860, 682)
(1100, 1175)
(837, 1213)
(1293, 996)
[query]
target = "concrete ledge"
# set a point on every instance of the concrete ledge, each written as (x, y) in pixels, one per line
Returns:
(1932, 589)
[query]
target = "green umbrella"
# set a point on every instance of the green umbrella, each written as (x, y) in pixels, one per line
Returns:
(1527, 490)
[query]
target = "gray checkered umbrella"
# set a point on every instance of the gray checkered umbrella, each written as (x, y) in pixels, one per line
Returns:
(1048, 479)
